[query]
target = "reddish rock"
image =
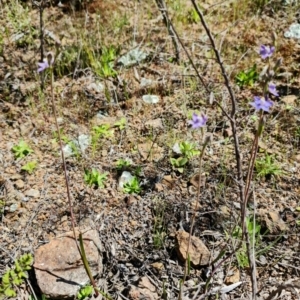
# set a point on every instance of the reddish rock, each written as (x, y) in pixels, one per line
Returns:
(198, 252)
(145, 290)
(59, 270)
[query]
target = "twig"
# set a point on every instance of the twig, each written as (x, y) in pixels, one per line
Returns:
(163, 9)
(243, 193)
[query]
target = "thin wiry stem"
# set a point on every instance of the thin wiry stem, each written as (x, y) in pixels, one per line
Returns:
(243, 193)
(83, 258)
(196, 207)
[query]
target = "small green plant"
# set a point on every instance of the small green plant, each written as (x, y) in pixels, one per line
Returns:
(15, 276)
(159, 229)
(121, 123)
(179, 163)
(267, 167)
(122, 164)
(107, 62)
(193, 16)
(21, 150)
(132, 187)
(95, 178)
(29, 167)
(254, 231)
(74, 148)
(188, 150)
(102, 131)
(98, 132)
(85, 292)
(247, 78)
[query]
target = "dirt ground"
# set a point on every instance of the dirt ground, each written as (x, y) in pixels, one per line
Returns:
(92, 87)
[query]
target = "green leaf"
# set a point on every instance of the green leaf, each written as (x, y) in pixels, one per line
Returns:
(22, 275)
(6, 278)
(10, 293)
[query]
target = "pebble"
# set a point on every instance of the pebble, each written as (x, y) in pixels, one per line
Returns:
(32, 193)
(19, 184)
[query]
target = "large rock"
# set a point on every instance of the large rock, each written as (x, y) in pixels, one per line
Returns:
(59, 270)
(198, 252)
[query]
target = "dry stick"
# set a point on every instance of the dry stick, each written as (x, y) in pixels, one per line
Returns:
(163, 9)
(82, 255)
(197, 72)
(243, 197)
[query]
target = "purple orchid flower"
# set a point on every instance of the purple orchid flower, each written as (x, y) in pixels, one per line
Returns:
(198, 121)
(261, 103)
(272, 89)
(43, 65)
(266, 51)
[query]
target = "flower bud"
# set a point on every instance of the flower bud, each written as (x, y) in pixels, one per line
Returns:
(264, 72)
(50, 58)
(278, 63)
(274, 38)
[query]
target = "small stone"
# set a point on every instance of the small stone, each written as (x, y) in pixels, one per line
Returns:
(13, 207)
(198, 252)
(233, 277)
(64, 218)
(156, 123)
(150, 99)
(32, 193)
(158, 187)
(126, 177)
(158, 266)
(133, 222)
(19, 184)
(15, 176)
(145, 290)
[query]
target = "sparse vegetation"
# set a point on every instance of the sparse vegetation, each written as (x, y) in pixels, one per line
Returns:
(266, 166)
(222, 112)
(15, 276)
(247, 78)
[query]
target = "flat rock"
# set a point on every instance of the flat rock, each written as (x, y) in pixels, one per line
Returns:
(59, 270)
(198, 252)
(155, 123)
(32, 193)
